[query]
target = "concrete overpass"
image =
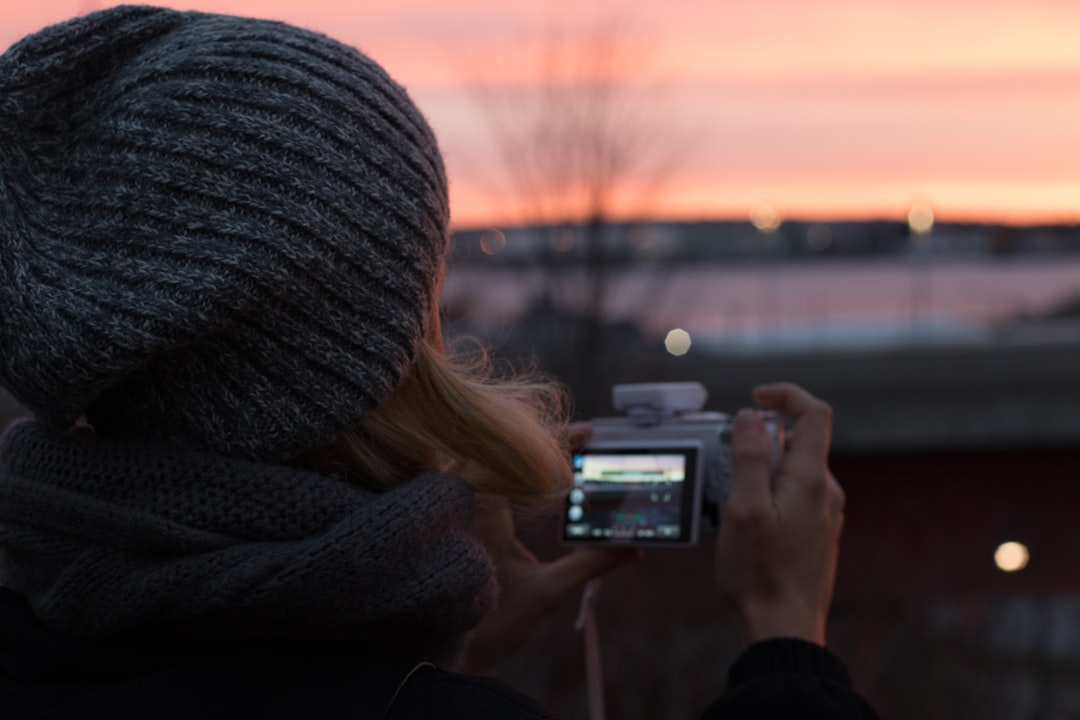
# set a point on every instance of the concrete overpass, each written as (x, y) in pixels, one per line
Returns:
(1022, 390)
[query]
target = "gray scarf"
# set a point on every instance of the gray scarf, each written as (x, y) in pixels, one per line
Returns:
(104, 538)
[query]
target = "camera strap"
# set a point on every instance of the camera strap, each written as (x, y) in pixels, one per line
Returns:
(594, 671)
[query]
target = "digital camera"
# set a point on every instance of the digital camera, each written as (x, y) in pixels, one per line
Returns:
(658, 475)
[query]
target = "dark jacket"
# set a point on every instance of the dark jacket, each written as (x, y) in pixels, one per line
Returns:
(43, 675)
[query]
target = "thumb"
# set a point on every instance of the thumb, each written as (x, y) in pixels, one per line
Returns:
(751, 450)
(573, 570)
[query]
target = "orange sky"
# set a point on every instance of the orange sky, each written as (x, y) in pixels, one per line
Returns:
(828, 109)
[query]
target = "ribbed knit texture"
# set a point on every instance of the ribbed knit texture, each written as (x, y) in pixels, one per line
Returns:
(786, 655)
(107, 537)
(213, 229)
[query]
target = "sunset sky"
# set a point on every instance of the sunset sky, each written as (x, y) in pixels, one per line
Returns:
(828, 109)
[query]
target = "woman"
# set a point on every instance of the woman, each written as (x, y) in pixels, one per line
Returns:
(256, 486)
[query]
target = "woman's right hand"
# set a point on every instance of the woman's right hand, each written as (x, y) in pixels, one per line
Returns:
(776, 550)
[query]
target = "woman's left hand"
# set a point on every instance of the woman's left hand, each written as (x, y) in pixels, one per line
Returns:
(530, 590)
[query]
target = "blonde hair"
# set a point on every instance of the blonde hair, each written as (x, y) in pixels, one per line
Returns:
(504, 435)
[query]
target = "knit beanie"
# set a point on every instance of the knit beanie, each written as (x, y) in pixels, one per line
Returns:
(216, 230)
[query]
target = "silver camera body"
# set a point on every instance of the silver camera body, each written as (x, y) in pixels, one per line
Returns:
(658, 475)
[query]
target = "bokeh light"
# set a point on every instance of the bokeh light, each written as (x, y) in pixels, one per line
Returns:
(677, 342)
(564, 240)
(1011, 556)
(921, 219)
(493, 242)
(765, 218)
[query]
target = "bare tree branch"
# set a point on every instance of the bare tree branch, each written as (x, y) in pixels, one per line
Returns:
(580, 147)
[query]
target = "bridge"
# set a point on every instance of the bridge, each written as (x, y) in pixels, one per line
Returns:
(1019, 390)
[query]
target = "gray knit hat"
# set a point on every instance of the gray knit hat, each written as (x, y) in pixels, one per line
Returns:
(218, 230)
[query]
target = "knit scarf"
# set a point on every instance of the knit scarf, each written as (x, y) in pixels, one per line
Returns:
(106, 538)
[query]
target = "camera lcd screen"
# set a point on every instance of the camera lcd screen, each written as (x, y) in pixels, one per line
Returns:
(632, 495)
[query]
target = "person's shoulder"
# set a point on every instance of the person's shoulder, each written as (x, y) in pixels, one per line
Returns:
(432, 692)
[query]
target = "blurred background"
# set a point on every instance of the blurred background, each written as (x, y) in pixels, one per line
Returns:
(878, 199)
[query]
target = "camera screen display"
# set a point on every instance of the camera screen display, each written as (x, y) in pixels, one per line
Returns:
(636, 495)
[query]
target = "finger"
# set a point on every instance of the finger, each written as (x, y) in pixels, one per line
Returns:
(81, 429)
(813, 417)
(837, 500)
(836, 496)
(571, 571)
(577, 435)
(751, 451)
